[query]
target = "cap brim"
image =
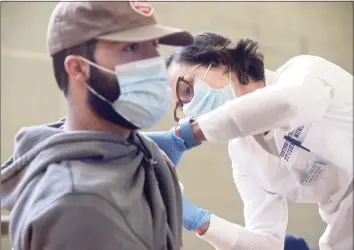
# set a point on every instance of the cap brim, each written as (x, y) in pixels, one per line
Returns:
(166, 35)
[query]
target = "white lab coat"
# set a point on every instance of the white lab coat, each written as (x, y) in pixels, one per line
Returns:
(311, 100)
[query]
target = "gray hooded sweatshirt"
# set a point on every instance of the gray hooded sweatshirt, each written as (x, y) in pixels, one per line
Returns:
(89, 190)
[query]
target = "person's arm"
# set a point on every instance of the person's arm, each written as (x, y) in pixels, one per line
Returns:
(170, 143)
(298, 98)
(198, 219)
(77, 222)
(266, 217)
(175, 141)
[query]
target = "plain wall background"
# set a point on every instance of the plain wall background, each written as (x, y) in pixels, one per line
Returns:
(29, 94)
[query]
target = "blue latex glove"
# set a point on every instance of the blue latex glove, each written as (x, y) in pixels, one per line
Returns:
(193, 216)
(295, 243)
(170, 143)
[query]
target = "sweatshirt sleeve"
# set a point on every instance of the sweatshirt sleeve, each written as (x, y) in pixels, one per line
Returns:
(78, 222)
(266, 217)
(298, 97)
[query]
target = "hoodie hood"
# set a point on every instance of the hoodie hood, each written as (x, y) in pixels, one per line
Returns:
(37, 147)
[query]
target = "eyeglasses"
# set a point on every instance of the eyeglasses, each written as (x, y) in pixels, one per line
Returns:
(185, 91)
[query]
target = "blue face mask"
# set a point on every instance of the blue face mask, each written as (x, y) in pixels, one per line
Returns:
(145, 94)
(206, 99)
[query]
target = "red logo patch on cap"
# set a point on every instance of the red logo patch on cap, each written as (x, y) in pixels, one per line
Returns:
(141, 7)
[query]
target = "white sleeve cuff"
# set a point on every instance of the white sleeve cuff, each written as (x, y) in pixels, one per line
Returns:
(221, 233)
(224, 235)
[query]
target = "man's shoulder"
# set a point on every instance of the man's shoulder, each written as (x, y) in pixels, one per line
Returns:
(148, 142)
(152, 147)
(64, 179)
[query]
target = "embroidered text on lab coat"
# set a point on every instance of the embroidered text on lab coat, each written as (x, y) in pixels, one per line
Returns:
(288, 147)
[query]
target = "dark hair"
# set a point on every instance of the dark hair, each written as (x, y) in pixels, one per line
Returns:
(85, 50)
(242, 58)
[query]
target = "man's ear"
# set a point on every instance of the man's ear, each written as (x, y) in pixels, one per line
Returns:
(77, 68)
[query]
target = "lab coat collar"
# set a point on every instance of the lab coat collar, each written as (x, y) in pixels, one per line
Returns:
(269, 77)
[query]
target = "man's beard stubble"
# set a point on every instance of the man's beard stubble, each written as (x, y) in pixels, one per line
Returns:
(108, 87)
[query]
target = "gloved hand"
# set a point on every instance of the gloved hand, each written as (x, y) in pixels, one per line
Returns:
(170, 143)
(193, 216)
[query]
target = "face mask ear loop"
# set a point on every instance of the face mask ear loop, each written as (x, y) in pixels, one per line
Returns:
(98, 66)
(97, 94)
(206, 72)
(89, 87)
(191, 70)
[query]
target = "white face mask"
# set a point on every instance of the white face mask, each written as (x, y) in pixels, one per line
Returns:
(145, 94)
(206, 99)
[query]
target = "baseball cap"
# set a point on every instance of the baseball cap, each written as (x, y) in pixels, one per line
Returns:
(73, 23)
